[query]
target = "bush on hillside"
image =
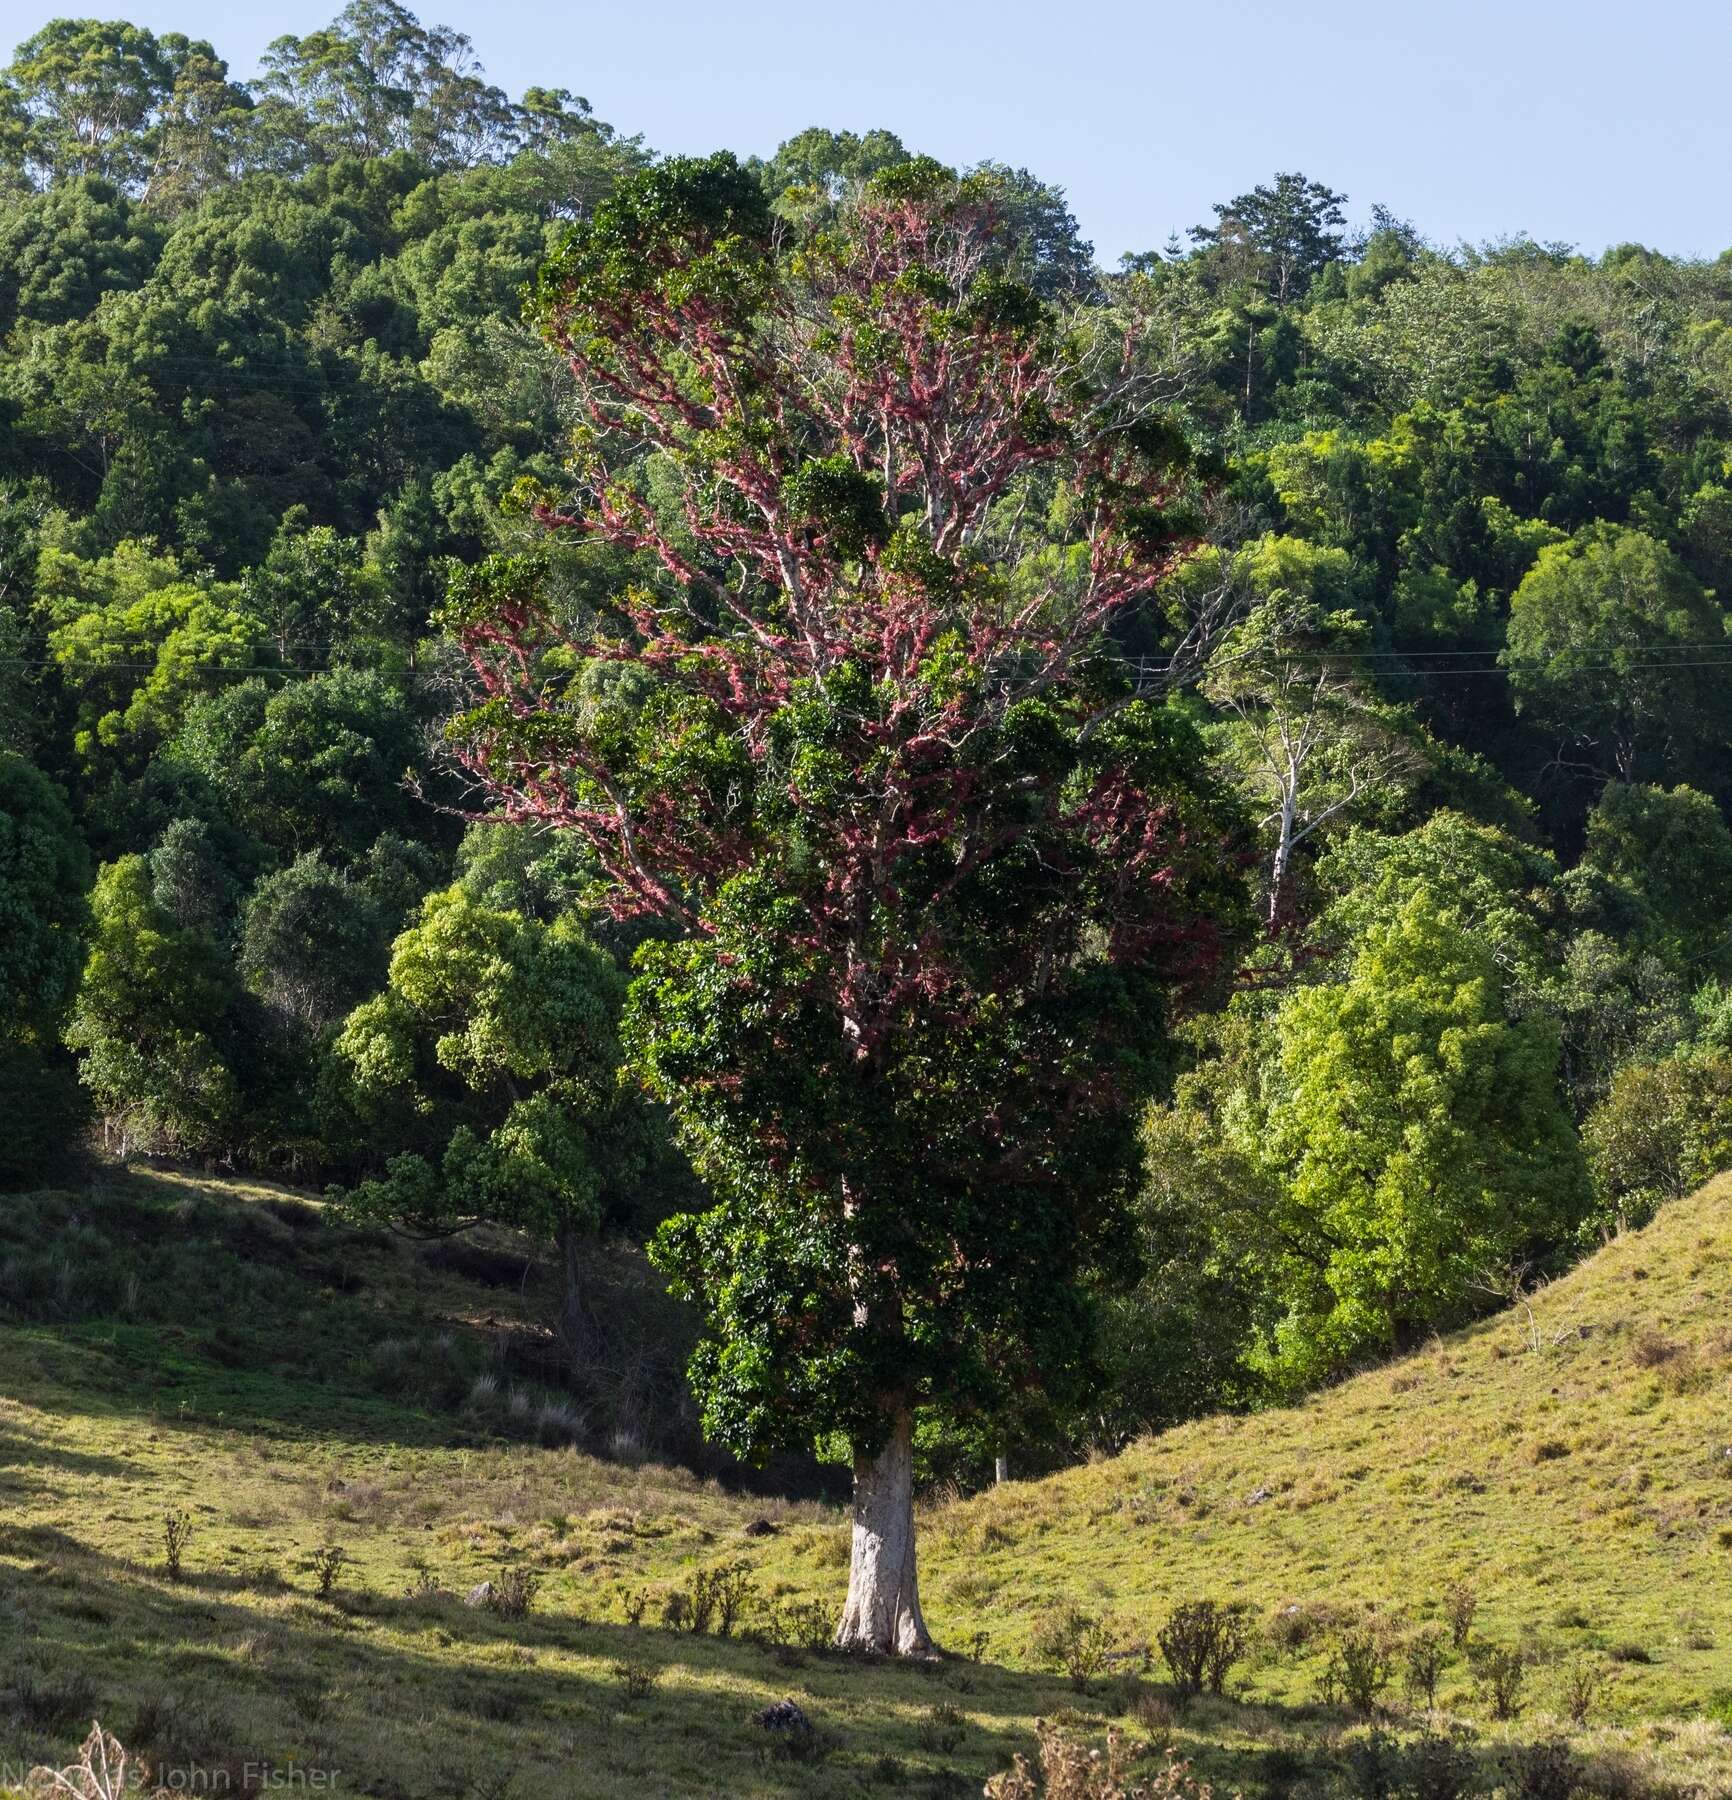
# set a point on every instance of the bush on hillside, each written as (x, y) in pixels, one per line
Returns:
(1662, 1130)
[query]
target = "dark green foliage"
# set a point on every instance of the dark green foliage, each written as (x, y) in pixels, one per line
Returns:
(1673, 851)
(312, 943)
(315, 764)
(1500, 1673)
(44, 871)
(704, 223)
(61, 251)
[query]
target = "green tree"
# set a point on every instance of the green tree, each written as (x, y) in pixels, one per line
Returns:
(1305, 733)
(191, 880)
(1672, 849)
(1501, 891)
(376, 80)
(491, 1061)
(830, 163)
(312, 943)
(314, 594)
(946, 880)
(136, 642)
(1042, 242)
(1414, 1131)
(1662, 1130)
(91, 95)
(317, 763)
(1612, 644)
(61, 251)
(148, 1020)
(1277, 237)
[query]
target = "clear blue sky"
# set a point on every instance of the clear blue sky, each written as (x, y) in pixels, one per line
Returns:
(1591, 122)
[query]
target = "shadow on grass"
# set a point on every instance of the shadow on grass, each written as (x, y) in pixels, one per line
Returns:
(29, 1451)
(419, 1697)
(402, 1696)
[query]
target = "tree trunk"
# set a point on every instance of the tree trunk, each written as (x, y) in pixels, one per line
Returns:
(573, 1318)
(883, 1610)
(1000, 1468)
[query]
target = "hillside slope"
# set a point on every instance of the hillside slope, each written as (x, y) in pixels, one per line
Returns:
(289, 1386)
(1572, 1461)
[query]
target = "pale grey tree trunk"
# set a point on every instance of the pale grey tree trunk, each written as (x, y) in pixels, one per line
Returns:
(1000, 1467)
(883, 1610)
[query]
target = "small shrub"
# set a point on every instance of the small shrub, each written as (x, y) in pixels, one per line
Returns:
(637, 1678)
(1500, 1672)
(1069, 1770)
(632, 1602)
(512, 1593)
(325, 1565)
(557, 1424)
(1438, 1768)
(730, 1589)
(715, 1596)
(1630, 1653)
(1201, 1642)
(1156, 1712)
(1650, 1349)
(941, 1729)
(156, 1718)
(779, 1629)
(1460, 1607)
(178, 1531)
(1543, 1771)
(50, 1704)
(425, 1590)
(805, 1625)
(1359, 1668)
(1375, 1766)
(1584, 1681)
(1074, 1642)
(1423, 1660)
(1295, 1627)
(314, 1706)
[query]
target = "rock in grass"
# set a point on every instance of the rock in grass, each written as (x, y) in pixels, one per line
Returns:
(479, 1595)
(785, 1716)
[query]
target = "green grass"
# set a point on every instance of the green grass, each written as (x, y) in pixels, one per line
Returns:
(169, 1343)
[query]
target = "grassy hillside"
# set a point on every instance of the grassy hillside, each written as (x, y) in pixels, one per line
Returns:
(219, 1350)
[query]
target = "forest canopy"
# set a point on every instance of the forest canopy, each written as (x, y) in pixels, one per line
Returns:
(1438, 659)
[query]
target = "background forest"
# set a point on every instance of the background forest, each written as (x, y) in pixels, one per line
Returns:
(1451, 634)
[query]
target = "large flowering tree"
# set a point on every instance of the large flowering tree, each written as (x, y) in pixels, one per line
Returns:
(940, 877)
